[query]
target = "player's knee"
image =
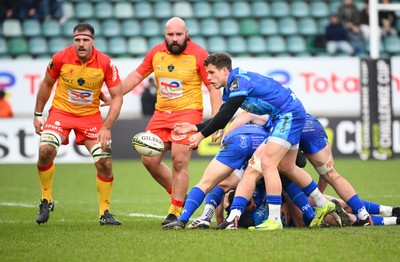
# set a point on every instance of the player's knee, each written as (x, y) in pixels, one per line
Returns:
(178, 164)
(104, 165)
(47, 152)
(98, 153)
(150, 162)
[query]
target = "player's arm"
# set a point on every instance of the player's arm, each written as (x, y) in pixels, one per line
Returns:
(131, 82)
(215, 101)
(115, 107)
(219, 121)
(224, 115)
(42, 97)
(246, 117)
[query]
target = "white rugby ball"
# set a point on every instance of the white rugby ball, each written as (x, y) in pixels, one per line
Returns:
(148, 144)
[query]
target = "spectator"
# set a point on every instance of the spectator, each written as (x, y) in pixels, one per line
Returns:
(356, 39)
(49, 9)
(364, 20)
(348, 13)
(149, 98)
(17, 9)
(336, 37)
(387, 21)
(5, 106)
(7, 8)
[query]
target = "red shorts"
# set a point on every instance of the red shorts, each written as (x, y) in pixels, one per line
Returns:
(85, 127)
(162, 124)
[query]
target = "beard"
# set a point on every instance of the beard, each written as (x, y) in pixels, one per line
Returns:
(175, 48)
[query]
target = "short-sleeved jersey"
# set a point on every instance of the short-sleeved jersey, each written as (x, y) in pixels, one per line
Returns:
(264, 95)
(179, 77)
(79, 85)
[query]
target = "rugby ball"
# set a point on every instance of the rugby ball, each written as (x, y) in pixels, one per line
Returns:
(147, 144)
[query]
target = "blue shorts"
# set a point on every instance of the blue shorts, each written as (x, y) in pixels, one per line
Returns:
(237, 149)
(288, 126)
(313, 138)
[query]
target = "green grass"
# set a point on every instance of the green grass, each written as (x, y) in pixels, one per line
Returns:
(74, 234)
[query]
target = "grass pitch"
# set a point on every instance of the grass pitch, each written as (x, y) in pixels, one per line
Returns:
(74, 234)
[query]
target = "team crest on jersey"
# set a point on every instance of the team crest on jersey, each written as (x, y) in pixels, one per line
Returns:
(81, 81)
(51, 65)
(243, 142)
(234, 85)
(171, 68)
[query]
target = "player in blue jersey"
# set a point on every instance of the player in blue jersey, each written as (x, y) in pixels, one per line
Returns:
(237, 147)
(314, 143)
(262, 95)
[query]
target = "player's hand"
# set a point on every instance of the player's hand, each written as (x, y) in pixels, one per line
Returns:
(38, 123)
(195, 140)
(104, 137)
(184, 128)
(217, 135)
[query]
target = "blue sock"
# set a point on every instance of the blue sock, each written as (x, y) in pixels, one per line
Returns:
(372, 208)
(214, 197)
(355, 204)
(274, 199)
(193, 201)
(310, 188)
(301, 201)
(240, 203)
(378, 220)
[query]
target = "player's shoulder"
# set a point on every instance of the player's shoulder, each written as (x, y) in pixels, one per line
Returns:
(65, 55)
(195, 48)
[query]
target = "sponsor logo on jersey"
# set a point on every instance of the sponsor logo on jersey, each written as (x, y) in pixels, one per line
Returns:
(234, 85)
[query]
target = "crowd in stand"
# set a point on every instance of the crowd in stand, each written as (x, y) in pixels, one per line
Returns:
(348, 30)
(31, 9)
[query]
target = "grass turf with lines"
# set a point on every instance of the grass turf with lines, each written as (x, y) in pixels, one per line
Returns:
(74, 234)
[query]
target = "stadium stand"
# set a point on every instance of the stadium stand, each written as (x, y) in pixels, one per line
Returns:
(266, 27)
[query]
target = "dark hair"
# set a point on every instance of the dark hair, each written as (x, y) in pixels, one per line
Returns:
(219, 60)
(83, 27)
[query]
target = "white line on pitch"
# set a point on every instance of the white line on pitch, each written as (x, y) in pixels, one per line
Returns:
(10, 204)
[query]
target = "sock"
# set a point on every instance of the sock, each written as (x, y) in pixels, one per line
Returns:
(378, 220)
(274, 207)
(357, 207)
(193, 201)
(388, 221)
(175, 207)
(239, 203)
(104, 188)
(372, 208)
(208, 212)
(234, 213)
(301, 201)
(385, 211)
(46, 175)
(313, 192)
(214, 197)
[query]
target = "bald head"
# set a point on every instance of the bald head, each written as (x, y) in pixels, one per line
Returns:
(176, 35)
(175, 23)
